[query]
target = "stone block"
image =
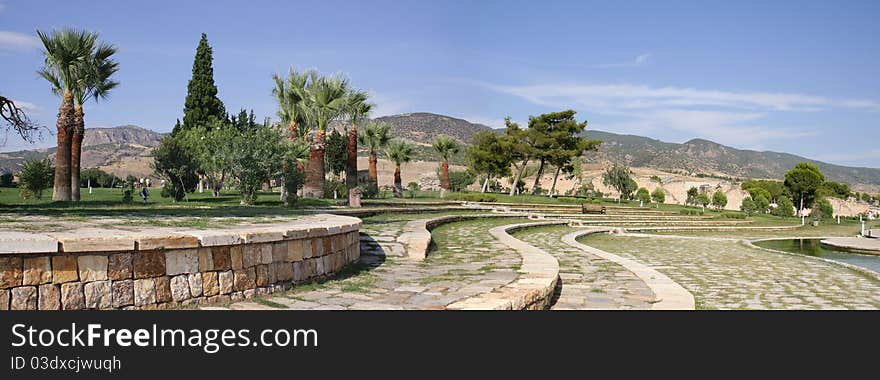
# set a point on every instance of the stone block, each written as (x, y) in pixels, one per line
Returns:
(262, 272)
(320, 270)
(119, 266)
(266, 253)
(220, 258)
(72, 296)
(10, 271)
(180, 288)
(245, 279)
(236, 253)
(196, 285)
(250, 255)
(180, 261)
(213, 238)
(144, 292)
(163, 289)
(122, 293)
(225, 280)
(148, 264)
(327, 244)
(37, 270)
(294, 250)
(279, 251)
(4, 299)
(210, 284)
(92, 268)
(317, 247)
(283, 271)
(24, 298)
(64, 269)
(206, 259)
(49, 297)
(98, 295)
(23, 242)
(168, 241)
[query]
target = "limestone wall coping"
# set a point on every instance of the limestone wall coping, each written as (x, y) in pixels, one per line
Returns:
(669, 294)
(416, 236)
(534, 287)
(109, 240)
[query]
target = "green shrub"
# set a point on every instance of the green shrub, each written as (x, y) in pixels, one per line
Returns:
(733, 215)
(34, 177)
(688, 211)
(472, 197)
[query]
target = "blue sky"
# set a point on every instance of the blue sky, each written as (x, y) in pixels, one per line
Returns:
(799, 77)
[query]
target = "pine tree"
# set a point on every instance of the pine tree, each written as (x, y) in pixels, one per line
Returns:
(202, 105)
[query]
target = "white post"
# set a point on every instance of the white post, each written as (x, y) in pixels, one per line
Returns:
(862, 232)
(838, 219)
(90, 185)
(803, 220)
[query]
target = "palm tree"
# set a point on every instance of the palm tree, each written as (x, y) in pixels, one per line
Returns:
(375, 136)
(65, 51)
(325, 100)
(399, 152)
(290, 94)
(357, 108)
(447, 147)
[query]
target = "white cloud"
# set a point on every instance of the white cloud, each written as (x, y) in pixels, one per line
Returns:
(387, 105)
(630, 96)
(639, 60)
(17, 41)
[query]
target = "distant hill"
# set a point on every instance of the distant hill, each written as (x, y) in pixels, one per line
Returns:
(126, 150)
(423, 127)
(699, 156)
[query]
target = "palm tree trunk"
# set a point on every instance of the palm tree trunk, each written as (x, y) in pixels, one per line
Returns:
(519, 173)
(79, 130)
(555, 177)
(61, 188)
(374, 172)
(314, 186)
(444, 176)
(538, 178)
(398, 183)
(292, 131)
(351, 165)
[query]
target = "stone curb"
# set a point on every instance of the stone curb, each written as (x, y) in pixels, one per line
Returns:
(670, 295)
(856, 244)
(715, 228)
(532, 290)
(416, 236)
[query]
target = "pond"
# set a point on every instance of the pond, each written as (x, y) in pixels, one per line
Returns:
(813, 247)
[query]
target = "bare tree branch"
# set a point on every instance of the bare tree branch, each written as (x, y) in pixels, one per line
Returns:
(16, 119)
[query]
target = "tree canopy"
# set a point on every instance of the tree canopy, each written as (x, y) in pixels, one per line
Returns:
(202, 106)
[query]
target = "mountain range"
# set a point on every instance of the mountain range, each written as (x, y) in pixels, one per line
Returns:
(126, 150)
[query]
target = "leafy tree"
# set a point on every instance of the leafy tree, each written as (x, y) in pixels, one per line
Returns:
(34, 177)
(784, 207)
(259, 156)
(835, 189)
(174, 162)
(336, 153)
(556, 140)
(618, 178)
(702, 200)
(290, 93)
(692, 195)
(66, 52)
(296, 155)
(822, 209)
(802, 182)
(413, 187)
(211, 147)
(460, 180)
(399, 152)
(775, 189)
(488, 156)
(748, 206)
(447, 147)
(520, 144)
(756, 192)
(866, 197)
(719, 200)
(202, 106)
(325, 101)
(375, 136)
(99, 178)
(6, 180)
(659, 196)
(761, 203)
(643, 195)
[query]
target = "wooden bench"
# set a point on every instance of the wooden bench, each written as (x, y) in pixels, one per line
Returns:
(590, 208)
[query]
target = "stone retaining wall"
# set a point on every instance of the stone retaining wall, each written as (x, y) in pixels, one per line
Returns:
(161, 268)
(416, 236)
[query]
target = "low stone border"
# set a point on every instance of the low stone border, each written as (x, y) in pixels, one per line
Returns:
(864, 245)
(533, 289)
(669, 294)
(416, 236)
(865, 271)
(161, 268)
(714, 228)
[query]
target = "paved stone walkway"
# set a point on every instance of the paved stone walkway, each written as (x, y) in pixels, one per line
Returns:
(467, 261)
(730, 275)
(588, 281)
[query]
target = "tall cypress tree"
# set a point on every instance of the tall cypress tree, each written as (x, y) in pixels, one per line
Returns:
(202, 105)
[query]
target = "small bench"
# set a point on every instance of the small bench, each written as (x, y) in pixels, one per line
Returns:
(590, 208)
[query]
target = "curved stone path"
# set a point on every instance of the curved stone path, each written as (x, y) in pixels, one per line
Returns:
(587, 281)
(725, 274)
(465, 263)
